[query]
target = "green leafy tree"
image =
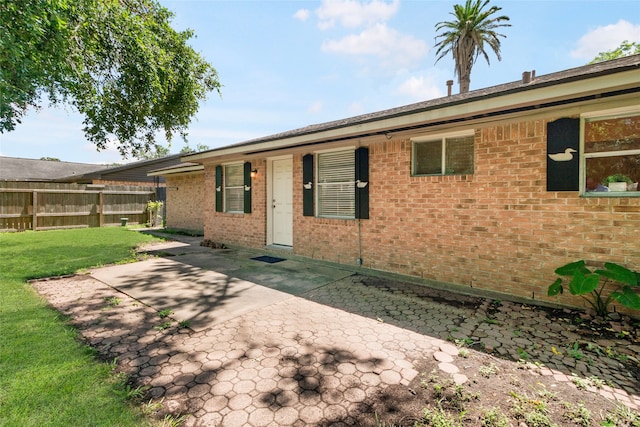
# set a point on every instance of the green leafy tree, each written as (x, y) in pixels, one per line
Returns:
(467, 35)
(118, 62)
(187, 149)
(50, 159)
(626, 48)
(155, 152)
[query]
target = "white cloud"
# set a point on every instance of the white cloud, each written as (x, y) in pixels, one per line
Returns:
(355, 109)
(397, 50)
(302, 14)
(315, 107)
(606, 38)
(353, 13)
(420, 88)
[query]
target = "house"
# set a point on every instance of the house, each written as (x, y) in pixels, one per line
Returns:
(484, 191)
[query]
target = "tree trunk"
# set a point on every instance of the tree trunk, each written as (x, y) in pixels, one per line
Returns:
(465, 81)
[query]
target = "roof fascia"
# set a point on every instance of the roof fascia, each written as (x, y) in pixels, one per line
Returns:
(531, 95)
(178, 170)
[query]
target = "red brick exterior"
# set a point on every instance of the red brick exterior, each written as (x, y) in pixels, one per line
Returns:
(237, 228)
(185, 201)
(497, 229)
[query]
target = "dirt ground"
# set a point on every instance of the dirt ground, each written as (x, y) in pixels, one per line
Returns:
(498, 393)
(505, 393)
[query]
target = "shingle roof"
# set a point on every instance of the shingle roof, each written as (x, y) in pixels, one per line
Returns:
(18, 169)
(142, 165)
(574, 74)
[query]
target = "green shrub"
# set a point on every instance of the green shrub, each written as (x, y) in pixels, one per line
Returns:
(584, 283)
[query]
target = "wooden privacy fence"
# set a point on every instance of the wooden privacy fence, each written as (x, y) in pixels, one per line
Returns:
(46, 206)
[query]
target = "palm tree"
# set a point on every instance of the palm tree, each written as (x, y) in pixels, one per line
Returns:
(465, 37)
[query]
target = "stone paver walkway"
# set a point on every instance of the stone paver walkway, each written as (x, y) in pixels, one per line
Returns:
(292, 363)
(313, 359)
(510, 330)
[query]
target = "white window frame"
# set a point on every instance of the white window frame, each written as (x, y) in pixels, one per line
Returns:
(226, 188)
(443, 139)
(348, 186)
(599, 115)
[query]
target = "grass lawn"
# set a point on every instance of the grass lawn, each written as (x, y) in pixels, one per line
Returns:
(47, 377)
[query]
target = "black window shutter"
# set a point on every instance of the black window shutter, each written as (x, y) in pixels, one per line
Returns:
(563, 155)
(218, 188)
(362, 183)
(307, 185)
(247, 187)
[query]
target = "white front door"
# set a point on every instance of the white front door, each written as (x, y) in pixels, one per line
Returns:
(282, 202)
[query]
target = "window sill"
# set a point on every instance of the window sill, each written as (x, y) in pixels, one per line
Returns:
(611, 194)
(339, 218)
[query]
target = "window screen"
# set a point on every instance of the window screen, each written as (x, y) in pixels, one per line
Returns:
(444, 156)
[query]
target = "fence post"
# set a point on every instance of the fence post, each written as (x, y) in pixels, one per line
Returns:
(101, 209)
(35, 210)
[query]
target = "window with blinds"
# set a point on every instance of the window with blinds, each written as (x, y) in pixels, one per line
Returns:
(234, 188)
(336, 184)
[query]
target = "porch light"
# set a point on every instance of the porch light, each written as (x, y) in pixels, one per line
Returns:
(254, 173)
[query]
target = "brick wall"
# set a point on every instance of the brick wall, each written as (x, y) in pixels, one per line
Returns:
(238, 228)
(497, 229)
(185, 201)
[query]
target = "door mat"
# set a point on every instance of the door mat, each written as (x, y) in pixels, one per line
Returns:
(268, 259)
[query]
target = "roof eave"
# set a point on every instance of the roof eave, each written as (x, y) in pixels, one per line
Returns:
(176, 170)
(544, 89)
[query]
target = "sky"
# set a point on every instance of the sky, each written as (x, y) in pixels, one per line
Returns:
(288, 64)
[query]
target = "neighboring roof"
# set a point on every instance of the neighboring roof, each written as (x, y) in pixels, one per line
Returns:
(134, 172)
(586, 81)
(18, 169)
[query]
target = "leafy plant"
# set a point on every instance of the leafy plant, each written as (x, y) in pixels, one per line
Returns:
(494, 418)
(580, 383)
(173, 421)
(488, 371)
(113, 301)
(617, 177)
(621, 415)
(165, 313)
(577, 414)
(522, 353)
(163, 326)
(584, 282)
(575, 351)
(440, 418)
(154, 207)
